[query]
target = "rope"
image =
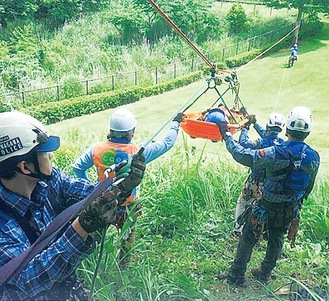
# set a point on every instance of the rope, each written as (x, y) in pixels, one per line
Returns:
(187, 40)
(173, 116)
(100, 255)
(268, 49)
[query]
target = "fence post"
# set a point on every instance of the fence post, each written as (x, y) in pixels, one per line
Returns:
(192, 66)
(237, 48)
(156, 75)
(57, 90)
(112, 82)
(223, 54)
(136, 78)
(87, 87)
(174, 71)
(23, 100)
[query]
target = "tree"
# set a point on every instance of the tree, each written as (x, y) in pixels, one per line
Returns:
(16, 9)
(237, 19)
(303, 7)
(193, 17)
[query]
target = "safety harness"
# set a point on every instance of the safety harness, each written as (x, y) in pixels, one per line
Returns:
(259, 216)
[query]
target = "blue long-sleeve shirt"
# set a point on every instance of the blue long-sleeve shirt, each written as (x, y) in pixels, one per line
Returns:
(151, 152)
(283, 182)
(265, 140)
(60, 259)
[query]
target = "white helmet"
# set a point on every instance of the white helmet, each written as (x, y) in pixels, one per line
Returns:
(122, 120)
(276, 120)
(20, 133)
(300, 119)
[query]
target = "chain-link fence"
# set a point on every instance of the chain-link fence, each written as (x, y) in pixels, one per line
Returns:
(152, 76)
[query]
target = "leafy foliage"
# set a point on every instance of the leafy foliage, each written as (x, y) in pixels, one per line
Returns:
(237, 19)
(57, 111)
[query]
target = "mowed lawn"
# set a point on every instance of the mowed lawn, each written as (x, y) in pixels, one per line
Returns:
(267, 85)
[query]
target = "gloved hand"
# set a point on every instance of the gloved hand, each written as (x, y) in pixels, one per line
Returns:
(101, 212)
(252, 118)
(123, 169)
(135, 175)
(243, 110)
(247, 125)
(223, 129)
(179, 117)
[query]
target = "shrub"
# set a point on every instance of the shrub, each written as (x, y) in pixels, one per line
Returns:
(57, 111)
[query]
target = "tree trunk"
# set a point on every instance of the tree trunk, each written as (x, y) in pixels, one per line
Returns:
(298, 23)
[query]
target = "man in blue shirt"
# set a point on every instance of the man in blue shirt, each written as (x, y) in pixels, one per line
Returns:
(32, 193)
(115, 149)
(293, 55)
(252, 188)
(291, 169)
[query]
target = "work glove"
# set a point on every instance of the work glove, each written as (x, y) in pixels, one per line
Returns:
(223, 129)
(136, 173)
(252, 118)
(179, 117)
(243, 110)
(123, 169)
(247, 125)
(101, 212)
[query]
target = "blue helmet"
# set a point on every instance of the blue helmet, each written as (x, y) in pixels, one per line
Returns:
(215, 116)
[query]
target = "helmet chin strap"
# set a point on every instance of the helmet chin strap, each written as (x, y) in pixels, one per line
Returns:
(38, 174)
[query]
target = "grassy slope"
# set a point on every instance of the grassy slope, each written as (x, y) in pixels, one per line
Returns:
(181, 246)
(266, 86)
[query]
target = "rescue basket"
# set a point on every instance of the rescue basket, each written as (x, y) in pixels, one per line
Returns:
(196, 125)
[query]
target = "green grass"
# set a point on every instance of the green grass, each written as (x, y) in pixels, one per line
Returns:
(266, 86)
(189, 194)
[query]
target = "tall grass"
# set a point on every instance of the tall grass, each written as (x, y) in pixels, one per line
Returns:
(189, 197)
(184, 235)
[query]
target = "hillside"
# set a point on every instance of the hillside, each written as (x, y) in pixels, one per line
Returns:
(266, 86)
(183, 236)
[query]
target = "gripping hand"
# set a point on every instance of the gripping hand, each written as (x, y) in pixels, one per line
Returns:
(101, 212)
(123, 169)
(179, 117)
(252, 118)
(136, 173)
(223, 129)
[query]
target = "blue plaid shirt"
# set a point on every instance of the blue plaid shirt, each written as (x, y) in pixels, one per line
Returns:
(62, 257)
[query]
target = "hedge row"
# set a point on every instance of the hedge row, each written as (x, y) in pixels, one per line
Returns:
(50, 113)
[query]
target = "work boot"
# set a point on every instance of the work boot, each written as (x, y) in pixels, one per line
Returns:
(232, 279)
(260, 275)
(235, 279)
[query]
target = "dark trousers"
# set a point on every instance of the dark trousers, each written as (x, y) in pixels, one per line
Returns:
(279, 219)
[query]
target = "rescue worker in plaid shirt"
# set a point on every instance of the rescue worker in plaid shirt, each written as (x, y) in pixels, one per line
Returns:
(28, 188)
(291, 169)
(115, 149)
(252, 188)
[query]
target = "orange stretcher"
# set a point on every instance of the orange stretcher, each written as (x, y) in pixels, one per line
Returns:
(195, 125)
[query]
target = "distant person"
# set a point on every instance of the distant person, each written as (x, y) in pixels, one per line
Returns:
(252, 188)
(115, 149)
(291, 169)
(294, 51)
(293, 54)
(32, 194)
